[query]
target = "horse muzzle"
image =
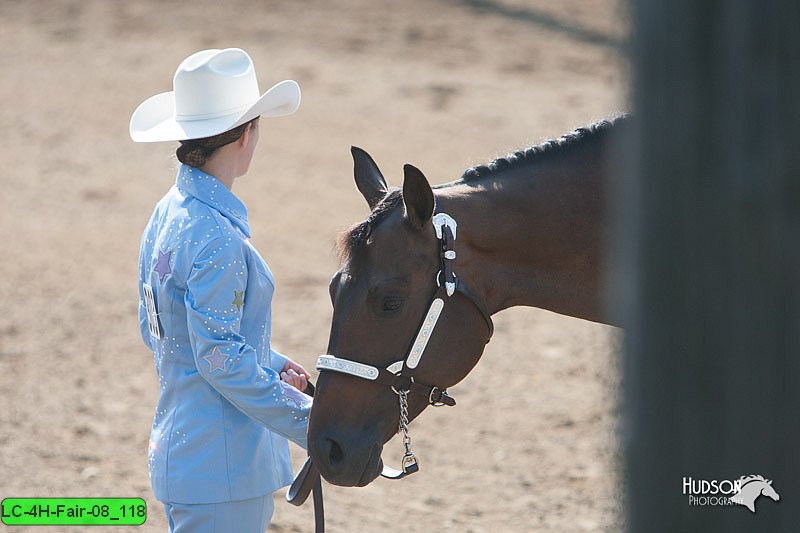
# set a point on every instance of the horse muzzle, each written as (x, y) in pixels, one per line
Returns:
(346, 462)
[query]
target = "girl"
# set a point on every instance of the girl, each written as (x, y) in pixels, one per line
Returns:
(227, 402)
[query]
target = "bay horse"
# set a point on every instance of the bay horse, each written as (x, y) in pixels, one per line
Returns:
(430, 265)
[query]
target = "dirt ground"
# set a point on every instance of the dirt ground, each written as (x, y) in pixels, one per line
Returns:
(444, 85)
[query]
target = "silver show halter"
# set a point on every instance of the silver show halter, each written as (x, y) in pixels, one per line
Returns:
(400, 374)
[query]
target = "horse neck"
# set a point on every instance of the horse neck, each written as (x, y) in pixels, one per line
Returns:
(532, 235)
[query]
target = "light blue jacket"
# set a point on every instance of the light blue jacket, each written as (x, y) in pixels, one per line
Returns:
(223, 414)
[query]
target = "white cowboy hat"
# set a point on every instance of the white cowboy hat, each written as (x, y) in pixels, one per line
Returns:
(214, 91)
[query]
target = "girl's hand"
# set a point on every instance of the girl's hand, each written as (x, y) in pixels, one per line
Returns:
(295, 375)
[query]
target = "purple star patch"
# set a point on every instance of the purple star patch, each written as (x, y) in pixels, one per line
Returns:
(216, 360)
(162, 265)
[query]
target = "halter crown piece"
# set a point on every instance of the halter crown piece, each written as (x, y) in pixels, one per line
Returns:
(400, 374)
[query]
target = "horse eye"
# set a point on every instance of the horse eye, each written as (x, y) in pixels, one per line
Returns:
(392, 304)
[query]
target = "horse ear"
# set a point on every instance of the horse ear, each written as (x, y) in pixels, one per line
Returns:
(369, 179)
(417, 196)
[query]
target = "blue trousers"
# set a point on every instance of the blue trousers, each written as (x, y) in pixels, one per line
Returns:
(245, 516)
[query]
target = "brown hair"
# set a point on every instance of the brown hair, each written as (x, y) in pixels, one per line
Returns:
(195, 152)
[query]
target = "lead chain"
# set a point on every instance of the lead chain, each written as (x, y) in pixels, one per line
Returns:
(404, 421)
(409, 460)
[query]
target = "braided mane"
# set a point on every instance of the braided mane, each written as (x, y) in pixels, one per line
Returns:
(594, 131)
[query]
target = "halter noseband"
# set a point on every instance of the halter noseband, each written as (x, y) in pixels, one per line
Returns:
(400, 374)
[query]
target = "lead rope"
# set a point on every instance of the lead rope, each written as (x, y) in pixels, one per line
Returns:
(308, 481)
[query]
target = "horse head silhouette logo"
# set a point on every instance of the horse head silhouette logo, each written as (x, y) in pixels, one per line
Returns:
(751, 488)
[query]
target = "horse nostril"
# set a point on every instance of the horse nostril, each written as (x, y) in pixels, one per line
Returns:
(335, 454)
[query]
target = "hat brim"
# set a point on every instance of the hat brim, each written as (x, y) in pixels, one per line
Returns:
(154, 120)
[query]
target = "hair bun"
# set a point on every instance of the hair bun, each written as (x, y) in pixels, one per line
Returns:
(195, 152)
(192, 154)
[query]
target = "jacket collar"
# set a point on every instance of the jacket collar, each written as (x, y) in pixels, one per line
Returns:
(211, 191)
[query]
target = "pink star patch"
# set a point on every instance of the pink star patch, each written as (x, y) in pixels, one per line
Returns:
(300, 400)
(216, 360)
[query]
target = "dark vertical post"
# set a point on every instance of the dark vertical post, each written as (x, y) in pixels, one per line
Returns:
(709, 275)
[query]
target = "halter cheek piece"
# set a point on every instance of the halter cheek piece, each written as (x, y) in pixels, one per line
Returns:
(400, 374)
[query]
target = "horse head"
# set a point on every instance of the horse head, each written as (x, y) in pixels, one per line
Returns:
(767, 490)
(751, 487)
(380, 295)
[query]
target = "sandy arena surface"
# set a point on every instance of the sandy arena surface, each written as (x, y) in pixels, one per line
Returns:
(443, 85)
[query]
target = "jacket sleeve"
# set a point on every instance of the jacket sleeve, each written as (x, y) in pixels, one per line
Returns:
(277, 360)
(222, 355)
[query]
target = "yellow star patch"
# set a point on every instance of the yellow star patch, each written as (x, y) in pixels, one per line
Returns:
(238, 299)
